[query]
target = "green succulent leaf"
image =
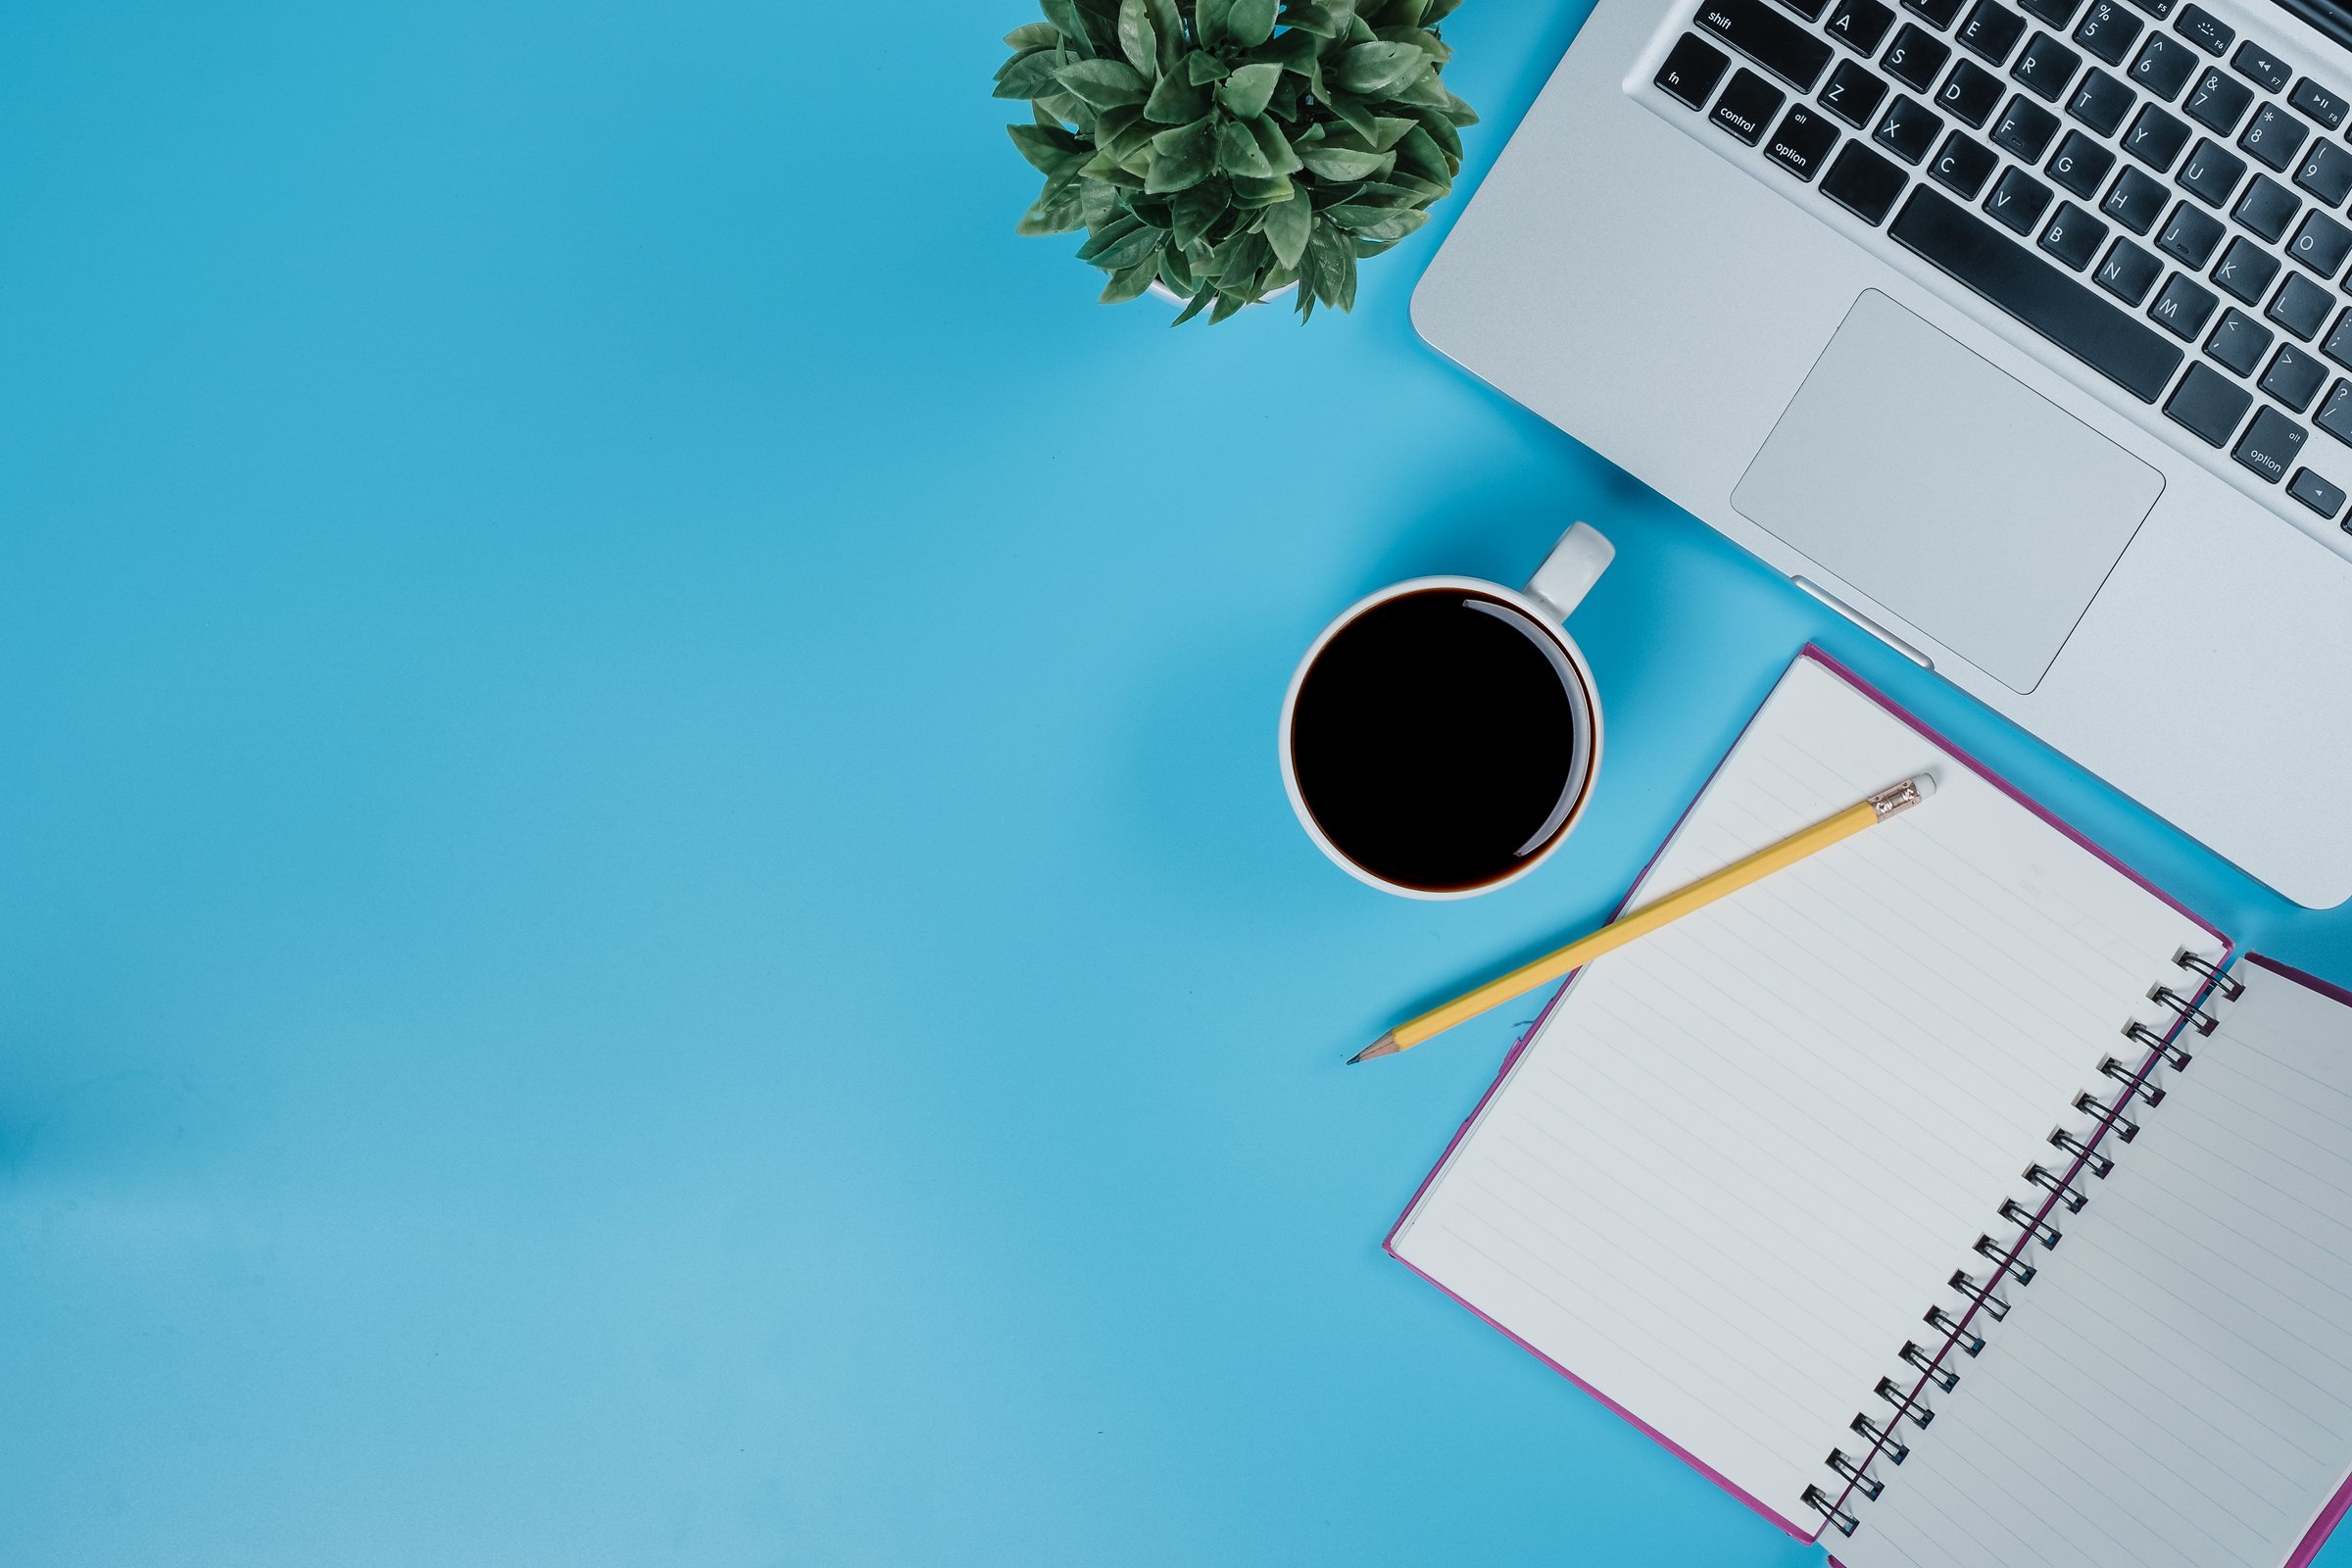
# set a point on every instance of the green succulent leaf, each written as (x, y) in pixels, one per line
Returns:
(1375, 223)
(1287, 226)
(1342, 163)
(1209, 20)
(1129, 283)
(1200, 69)
(1247, 90)
(1281, 155)
(1031, 75)
(1053, 212)
(1064, 15)
(1183, 158)
(1237, 153)
(1176, 101)
(1250, 23)
(1380, 68)
(1312, 20)
(1033, 35)
(1139, 39)
(1194, 306)
(1104, 83)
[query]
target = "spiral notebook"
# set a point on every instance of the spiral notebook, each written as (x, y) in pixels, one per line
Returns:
(1953, 1197)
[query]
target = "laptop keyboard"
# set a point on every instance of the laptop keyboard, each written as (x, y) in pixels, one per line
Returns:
(2133, 182)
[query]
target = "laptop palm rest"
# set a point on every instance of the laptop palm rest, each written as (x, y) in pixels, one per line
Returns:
(1946, 490)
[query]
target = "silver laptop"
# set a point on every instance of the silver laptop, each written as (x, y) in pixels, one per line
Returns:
(2017, 330)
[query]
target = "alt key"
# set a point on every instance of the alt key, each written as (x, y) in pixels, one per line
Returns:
(1802, 142)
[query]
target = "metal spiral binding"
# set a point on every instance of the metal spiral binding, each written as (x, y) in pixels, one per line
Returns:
(2058, 1186)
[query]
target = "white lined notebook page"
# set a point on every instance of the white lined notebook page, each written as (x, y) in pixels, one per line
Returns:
(1743, 1156)
(2174, 1387)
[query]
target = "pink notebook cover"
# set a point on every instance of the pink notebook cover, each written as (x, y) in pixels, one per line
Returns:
(1800, 1530)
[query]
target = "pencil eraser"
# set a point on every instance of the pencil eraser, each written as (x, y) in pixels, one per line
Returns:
(1925, 783)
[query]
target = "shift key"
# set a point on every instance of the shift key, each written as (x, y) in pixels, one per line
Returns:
(1769, 38)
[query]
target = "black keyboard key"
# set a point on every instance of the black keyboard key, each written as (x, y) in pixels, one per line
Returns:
(1990, 31)
(2301, 306)
(1853, 94)
(2074, 236)
(2326, 173)
(2109, 31)
(2338, 346)
(2182, 308)
(2315, 493)
(1767, 38)
(2207, 31)
(2240, 341)
(2134, 200)
(2273, 136)
(1907, 130)
(2268, 448)
(2159, 9)
(2211, 173)
(2162, 65)
(1940, 12)
(1860, 24)
(1747, 105)
(1692, 70)
(1916, 59)
(2189, 235)
(2155, 138)
(2323, 104)
(1810, 10)
(1862, 182)
(2046, 68)
(2293, 378)
(2209, 404)
(2320, 244)
(1969, 93)
(1979, 257)
(2267, 208)
(2081, 165)
(2025, 129)
(2018, 201)
(2336, 415)
(2246, 271)
(2129, 271)
(2219, 101)
(1802, 144)
(2057, 12)
(2257, 64)
(2101, 101)
(1963, 164)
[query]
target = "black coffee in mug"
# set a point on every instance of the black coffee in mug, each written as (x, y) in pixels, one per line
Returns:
(1436, 741)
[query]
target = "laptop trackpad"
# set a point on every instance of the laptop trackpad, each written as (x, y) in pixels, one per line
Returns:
(1949, 491)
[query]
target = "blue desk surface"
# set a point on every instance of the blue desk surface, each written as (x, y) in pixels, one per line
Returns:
(646, 911)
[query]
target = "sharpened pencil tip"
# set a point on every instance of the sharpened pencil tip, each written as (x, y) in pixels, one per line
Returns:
(1384, 1045)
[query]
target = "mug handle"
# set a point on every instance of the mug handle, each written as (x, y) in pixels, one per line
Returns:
(1569, 572)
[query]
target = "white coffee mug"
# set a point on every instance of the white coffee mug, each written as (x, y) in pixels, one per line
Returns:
(1567, 575)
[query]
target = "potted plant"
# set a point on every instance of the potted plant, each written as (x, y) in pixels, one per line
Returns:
(1226, 152)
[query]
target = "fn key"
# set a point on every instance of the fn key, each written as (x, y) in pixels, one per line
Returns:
(1693, 69)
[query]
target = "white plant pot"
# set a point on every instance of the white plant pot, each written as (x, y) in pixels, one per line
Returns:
(1159, 290)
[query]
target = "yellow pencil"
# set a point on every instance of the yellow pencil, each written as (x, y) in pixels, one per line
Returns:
(1668, 909)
